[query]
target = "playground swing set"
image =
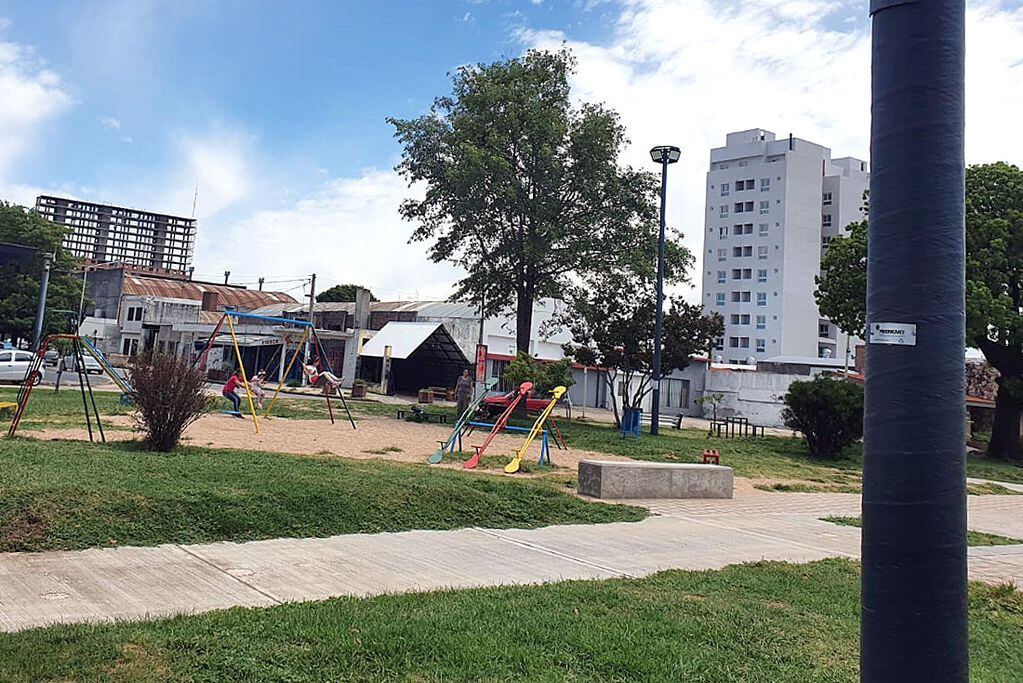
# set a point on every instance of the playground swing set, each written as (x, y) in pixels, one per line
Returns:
(308, 335)
(541, 428)
(80, 346)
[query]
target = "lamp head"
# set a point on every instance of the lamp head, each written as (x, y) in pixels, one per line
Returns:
(665, 154)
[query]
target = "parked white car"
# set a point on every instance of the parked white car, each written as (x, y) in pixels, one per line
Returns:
(14, 364)
(91, 365)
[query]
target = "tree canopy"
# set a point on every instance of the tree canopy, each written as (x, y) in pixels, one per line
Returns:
(611, 316)
(522, 188)
(19, 281)
(994, 287)
(341, 293)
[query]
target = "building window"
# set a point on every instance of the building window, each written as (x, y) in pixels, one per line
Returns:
(744, 319)
(736, 251)
(719, 344)
(762, 275)
(746, 297)
(765, 207)
(763, 229)
(824, 330)
(747, 273)
(747, 229)
(721, 277)
(734, 319)
(724, 189)
(826, 241)
(761, 322)
(826, 220)
(738, 207)
(737, 229)
(736, 273)
(826, 199)
(722, 232)
(129, 346)
(722, 166)
(762, 252)
(743, 342)
(736, 297)
(765, 184)
(724, 211)
(720, 299)
(733, 342)
(722, 254)
(761, 345)
(761, 298)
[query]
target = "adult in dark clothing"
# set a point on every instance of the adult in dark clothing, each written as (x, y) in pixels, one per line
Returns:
(463, 394)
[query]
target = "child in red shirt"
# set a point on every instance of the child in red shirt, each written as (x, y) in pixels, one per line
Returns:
(230, 392)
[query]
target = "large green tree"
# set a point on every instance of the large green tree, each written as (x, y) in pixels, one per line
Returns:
(611, 316)
(19, 281)
(341, 293)
(994, 288)
(523, 189)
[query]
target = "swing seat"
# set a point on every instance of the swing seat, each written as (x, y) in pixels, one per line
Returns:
(235, 413)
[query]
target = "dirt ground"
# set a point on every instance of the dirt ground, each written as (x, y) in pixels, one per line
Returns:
(376, 438)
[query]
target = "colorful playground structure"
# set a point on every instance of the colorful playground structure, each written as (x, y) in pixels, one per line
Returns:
(79, 347)
(308, 335)
(462, 425)
(499, 425)
(516, 462)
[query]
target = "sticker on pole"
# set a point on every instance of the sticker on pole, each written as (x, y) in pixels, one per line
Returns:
(894, 334)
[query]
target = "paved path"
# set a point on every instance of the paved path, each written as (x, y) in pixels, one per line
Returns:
(134, 583)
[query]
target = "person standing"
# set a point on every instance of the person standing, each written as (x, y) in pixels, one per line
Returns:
(463, 394)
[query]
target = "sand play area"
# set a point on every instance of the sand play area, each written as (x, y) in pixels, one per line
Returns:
(377, 438)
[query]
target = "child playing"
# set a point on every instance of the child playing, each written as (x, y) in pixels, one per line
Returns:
(230, 392)
(313, 373)
(256, 385)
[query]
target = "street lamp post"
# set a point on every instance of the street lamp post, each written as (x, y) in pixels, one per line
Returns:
(663, 155)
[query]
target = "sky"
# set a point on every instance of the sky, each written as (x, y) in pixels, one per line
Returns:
(276, 111)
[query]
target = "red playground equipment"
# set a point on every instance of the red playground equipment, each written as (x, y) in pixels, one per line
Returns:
(524, 390)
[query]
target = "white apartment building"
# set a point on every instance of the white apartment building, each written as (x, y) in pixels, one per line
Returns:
(772, 207)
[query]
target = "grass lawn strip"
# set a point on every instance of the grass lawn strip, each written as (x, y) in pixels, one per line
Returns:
(764, 622)
(973, 538)
(64, 495)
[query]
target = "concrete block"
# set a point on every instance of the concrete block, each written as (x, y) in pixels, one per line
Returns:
(648, 480)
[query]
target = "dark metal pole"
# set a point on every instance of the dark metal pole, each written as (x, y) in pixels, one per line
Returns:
(914, 624)
(44, 285)
(655, 411)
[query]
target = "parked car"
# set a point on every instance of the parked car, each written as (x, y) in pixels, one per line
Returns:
(493, 406)
(91, 365)
(51, 357)
(14, 364)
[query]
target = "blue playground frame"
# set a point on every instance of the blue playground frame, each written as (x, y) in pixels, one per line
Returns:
(545, 449)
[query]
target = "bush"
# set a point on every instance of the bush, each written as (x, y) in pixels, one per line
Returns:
(169, 395)
(544, 376)
(828, 412)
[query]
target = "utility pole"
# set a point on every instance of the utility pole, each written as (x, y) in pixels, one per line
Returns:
(913, 597)
(44, 285)
(312, 303)
(261, 284)
(227, 274)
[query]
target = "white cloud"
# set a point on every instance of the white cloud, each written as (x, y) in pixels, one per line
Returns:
(31, 95)
(221, 162)
(110, 123)
(687, 72)
(5, 23)
(348, 230)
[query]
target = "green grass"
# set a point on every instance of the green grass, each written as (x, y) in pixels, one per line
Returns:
(973, 538)
(71, 494)
(759, 623)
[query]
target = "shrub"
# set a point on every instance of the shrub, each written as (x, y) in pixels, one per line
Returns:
(169, 395)
(828, 412)
(544, 376)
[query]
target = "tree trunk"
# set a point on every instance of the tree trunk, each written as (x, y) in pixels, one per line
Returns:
(1005, 431)
(523, 319)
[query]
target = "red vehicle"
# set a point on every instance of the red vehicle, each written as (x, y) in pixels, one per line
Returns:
(493, 406)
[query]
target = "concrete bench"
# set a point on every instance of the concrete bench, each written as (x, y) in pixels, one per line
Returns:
(618, 480)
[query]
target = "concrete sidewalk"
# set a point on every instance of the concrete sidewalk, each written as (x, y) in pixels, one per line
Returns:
(37, 589)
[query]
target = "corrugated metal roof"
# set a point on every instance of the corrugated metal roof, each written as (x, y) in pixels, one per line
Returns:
(227, 296)
(403, 338)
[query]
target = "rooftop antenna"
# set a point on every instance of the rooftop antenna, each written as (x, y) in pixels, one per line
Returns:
(195, 197)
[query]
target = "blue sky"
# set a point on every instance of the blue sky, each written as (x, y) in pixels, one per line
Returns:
(277, 109)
